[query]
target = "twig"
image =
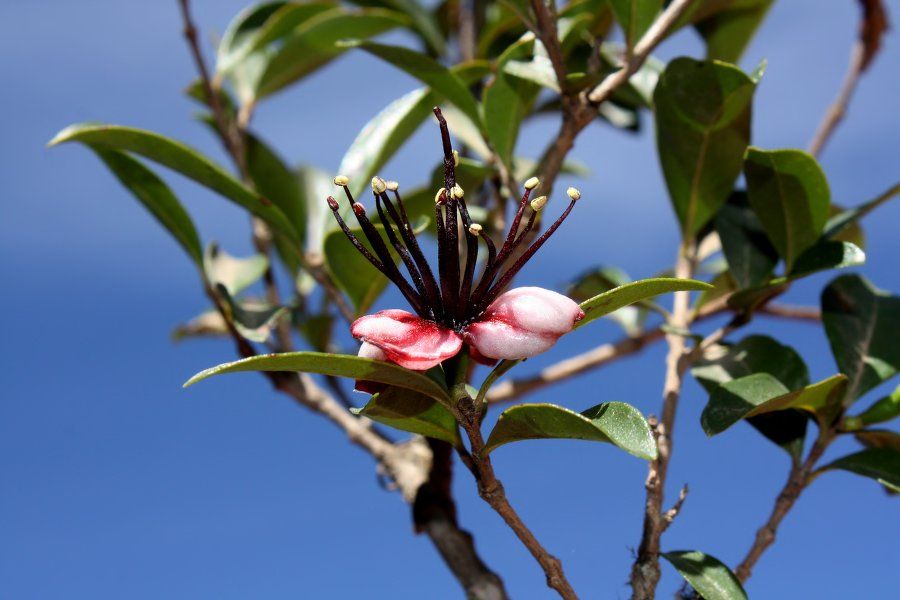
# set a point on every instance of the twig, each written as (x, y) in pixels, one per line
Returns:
(798, 479)
(670, 514)
(787, 311)
(872, 26)
(549, 36)
(645, 571)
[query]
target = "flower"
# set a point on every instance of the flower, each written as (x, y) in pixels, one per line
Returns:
(451, 311)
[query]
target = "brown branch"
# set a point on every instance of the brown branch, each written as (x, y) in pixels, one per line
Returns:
(645, 571)
(673, 512)
(786, 311)
(872, 26)
(491, 491)
(798, 479)
(549, 36)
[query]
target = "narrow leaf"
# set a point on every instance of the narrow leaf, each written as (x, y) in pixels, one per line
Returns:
(338, 365)
(706, 574)
(614, 422)
(156, 197)
(635, 17)
(634, 292)
(180, 158)
(413, 412)
(235, 274)
(885, 409)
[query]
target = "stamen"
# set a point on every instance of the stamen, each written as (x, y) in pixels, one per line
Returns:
(392, 185)
(526, 256)
(574, 193)
(538, 203)
(378, 185)
(341, 180)
(384, 254)
(334, 206)
(532, 183)
(469, 273)
(401, 250)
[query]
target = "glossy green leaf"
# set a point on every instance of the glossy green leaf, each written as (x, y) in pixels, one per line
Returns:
(635, 17)
(884, 409)
(827, 255)
(862, 324)
(703, 113)
(789, 193)
(423, 22)
(634, 292)
(753, 354)
(614, 422)
(236, 274)
(338, 365)
(386, 133)
(602, 279)
(424, 68)
(762, 393)
(847, 219)
(750, 255)
(879, 438)
(706, 574)
(315, 186)
(180, 158)
(507, 100)
(315, 44)
(538, 70)
(155, 195)
(413, 412)
(254, 320)
(728, 31)
(881, 464)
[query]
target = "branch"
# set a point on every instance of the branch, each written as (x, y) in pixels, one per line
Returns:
(645, 571)
(673, 512)
(872, 26)
(549, 36)
(491, 491)
(798, 479)
(642, 50)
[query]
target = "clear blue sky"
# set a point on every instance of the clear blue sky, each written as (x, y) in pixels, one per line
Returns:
(116, 483)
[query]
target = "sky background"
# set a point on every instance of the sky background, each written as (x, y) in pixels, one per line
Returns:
(116, 483)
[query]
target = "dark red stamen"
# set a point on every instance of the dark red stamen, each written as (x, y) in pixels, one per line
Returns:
(333, 205)
(403, 252)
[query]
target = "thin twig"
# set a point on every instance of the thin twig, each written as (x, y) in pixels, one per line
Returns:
(872, 26)
(549, 36)
(669, 515)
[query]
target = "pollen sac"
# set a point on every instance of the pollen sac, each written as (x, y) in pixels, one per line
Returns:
(358, 209)
(378, 185)
(573, 193)
(392, 185)
(538, 203)
(532, 183)
(457, 191)
(455, 158)
(341, 180)
(440, 196)
(475, 229)
(332, 203)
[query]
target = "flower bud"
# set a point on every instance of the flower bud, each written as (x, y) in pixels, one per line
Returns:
(532, 183)
(378, 185)
(392, 185)
(573, 193)
(538, 203)
(341, 180)
(475, 229)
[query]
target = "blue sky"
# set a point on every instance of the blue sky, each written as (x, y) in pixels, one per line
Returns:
(119, 484)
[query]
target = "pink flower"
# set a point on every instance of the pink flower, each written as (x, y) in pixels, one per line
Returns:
(454, 309)
(520, 323)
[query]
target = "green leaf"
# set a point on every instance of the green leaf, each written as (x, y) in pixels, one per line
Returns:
(702, 130)
(634, 292)
(506, 101)
(844, 220)
(614, 422)
(235, 274)
(862, 324)
(750, 255)
(753, 354)
(728, 31)
(315, 186)
(314, 44)
(762, 393)
(254, 320)
(180, 158)
(413, 412)
(155, 195)
(428, 71)
(275, 181)
(635, 17)
(880, 464)
(789, 193)
(884, 409)
(706, 574)
(386, 133)
(879, 438)
(602, 279)
(827, 255)
(337, 365)
(423, 21)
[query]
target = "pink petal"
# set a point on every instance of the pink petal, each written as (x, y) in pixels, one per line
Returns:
(522, 323)
(367, 350)
(406, 339)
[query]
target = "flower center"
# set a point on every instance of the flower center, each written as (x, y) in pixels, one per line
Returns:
(453, 298)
